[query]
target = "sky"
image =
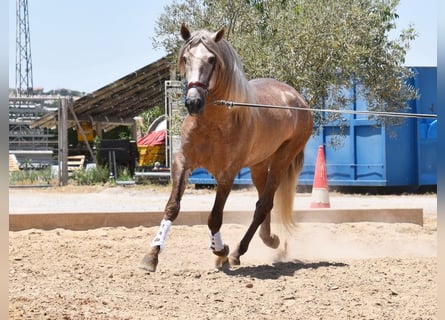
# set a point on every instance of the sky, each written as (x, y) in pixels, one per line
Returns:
(84, 45)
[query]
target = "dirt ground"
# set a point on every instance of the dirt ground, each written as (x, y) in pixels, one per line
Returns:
(329, 271)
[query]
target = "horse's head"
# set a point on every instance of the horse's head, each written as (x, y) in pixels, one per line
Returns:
(197, 61)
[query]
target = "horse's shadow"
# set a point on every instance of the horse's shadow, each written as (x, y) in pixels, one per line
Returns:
(277, 270)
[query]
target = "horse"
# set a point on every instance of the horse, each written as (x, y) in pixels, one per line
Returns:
(223, 140)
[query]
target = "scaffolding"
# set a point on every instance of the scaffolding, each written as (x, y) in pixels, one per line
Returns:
(22, 112)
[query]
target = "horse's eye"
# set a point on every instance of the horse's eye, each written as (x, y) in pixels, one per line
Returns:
(184, 59)
(212, 60)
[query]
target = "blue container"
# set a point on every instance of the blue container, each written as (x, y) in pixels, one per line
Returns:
(369, 154)
(426, 81)
(202, 176)
(372, 155)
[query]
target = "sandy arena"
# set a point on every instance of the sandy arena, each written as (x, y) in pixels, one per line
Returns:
(330, 271)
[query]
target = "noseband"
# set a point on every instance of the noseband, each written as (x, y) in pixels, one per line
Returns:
(199, 84)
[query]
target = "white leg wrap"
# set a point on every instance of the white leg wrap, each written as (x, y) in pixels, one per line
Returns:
(159, 239)
(216, 243)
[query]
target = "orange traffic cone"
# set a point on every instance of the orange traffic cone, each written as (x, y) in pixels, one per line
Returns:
(320, 195)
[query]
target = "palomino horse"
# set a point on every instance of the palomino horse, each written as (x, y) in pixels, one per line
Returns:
(224, 140)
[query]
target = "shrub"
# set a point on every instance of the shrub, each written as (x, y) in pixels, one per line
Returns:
(31, 177)
(91, 176)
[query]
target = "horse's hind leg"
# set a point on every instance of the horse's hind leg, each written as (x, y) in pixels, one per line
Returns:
(262, 210)
(259, 177)
(180, 173)
(270, 239)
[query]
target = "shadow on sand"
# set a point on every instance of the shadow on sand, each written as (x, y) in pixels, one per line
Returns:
(277, 270)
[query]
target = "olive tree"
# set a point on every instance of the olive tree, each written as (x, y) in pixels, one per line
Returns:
(322, 48)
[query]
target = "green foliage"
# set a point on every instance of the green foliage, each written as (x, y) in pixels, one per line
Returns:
(319, 47)
(149, 116)
(91, 176)
(98, 175)
(31, 177)
(124, 174)
(119, 132)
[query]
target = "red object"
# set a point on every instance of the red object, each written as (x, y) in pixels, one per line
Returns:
(320, 194)
(154, 138)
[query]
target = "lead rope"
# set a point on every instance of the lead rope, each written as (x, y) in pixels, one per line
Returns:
(230, 104)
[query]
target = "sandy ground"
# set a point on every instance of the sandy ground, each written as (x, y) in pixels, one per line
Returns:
(329, 271)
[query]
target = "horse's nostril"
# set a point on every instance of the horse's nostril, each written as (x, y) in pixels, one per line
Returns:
(192, 102)
(194, 106)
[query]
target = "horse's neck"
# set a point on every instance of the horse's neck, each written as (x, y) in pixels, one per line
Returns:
(238, 90)
(220, 116)
(234, 88)
(233, 84)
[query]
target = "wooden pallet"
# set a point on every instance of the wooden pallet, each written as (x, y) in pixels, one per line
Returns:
(13, 163)
(75, 163)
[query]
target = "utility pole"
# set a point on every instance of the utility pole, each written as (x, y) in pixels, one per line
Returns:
(23, 62)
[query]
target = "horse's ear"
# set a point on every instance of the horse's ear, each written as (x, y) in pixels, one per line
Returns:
(185, 32)
(218, 34)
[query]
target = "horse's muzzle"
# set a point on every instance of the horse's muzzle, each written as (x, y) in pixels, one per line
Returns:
(194, 102)
(194, 106)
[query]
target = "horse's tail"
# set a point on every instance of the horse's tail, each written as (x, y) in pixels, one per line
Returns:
(285, 194)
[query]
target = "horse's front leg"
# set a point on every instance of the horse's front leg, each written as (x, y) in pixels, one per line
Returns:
(180, 174)
(217, 245)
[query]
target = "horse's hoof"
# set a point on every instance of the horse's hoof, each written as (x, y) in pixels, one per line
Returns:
(222, 253)
(221, 256)
(234, 261)
(275, 243)
(149, 263)
(272, 241)
(220, 262)
(282, 253)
